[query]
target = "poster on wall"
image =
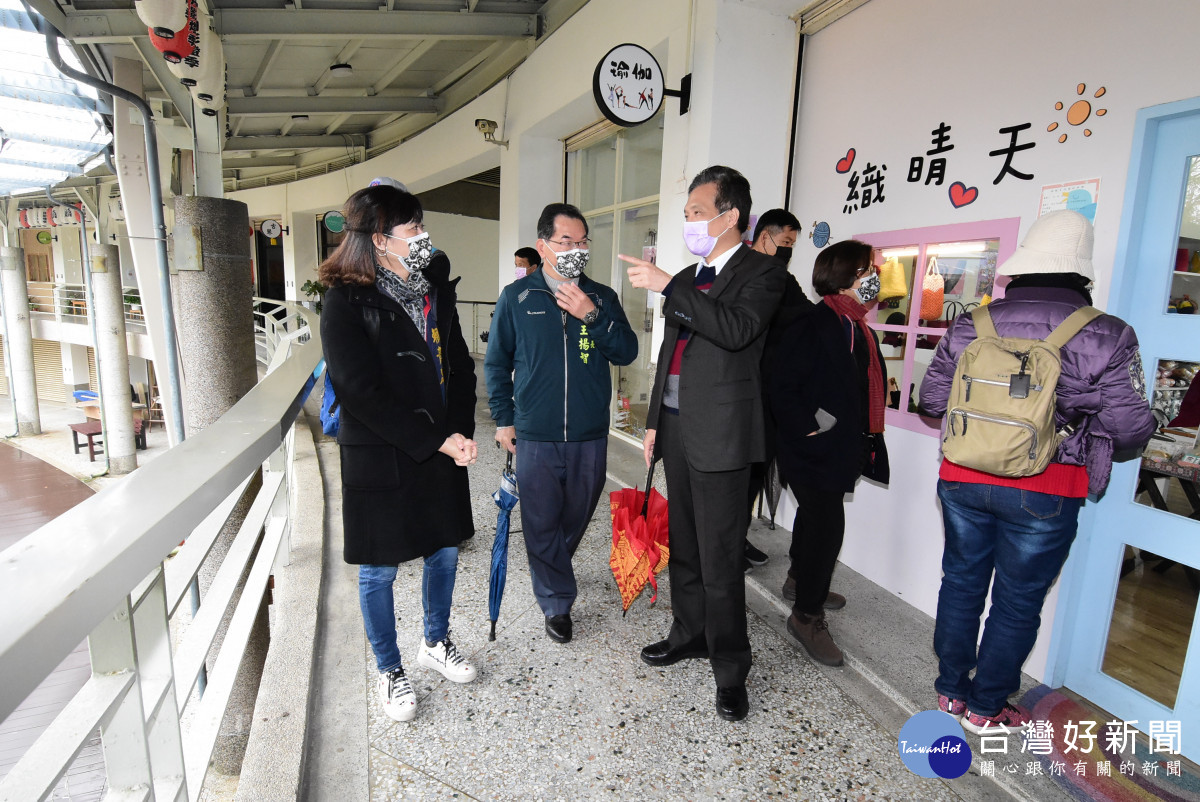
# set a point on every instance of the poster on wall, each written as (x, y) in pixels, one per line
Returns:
(1078, 196)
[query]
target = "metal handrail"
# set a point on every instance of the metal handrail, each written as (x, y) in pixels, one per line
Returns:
(475, 317)
(117, 585)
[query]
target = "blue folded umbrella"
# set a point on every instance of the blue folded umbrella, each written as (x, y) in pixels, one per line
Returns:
(506, 497)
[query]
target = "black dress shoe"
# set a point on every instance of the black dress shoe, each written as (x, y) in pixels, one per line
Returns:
(558, 627)
(663, 654)
(732, 704)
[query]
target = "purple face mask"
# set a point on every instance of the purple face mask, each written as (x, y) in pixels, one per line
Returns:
(697, 239)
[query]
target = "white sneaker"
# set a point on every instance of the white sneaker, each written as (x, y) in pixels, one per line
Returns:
(396, 694)
(443, 656)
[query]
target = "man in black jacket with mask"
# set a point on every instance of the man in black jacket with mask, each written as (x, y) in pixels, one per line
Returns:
(774, 235)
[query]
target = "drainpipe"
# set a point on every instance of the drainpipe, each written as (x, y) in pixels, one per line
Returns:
(90, 299)
(174, 413)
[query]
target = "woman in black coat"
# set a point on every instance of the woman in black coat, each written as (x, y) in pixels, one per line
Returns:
(406, 384)
(826, 390)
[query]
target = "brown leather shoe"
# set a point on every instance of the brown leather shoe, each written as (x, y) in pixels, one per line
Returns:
(834, 601)
(813, 634)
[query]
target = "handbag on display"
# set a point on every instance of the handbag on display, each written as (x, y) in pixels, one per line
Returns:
(892, 283)
(933, 292)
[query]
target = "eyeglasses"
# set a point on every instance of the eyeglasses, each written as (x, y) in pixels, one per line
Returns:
(582, 244)
(865, 271)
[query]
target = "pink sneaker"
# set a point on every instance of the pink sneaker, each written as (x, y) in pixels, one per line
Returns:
(955, 707)
(1008, 719)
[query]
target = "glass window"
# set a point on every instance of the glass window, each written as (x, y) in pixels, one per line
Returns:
(639, 235)
(641, 158)
(596, 175)
(929, 277)
(1185, 280)
(615, 183)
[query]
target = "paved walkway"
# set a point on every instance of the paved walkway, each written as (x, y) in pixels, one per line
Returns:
(588, 719)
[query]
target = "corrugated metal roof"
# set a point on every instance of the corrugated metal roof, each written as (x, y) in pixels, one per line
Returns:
(49, 125)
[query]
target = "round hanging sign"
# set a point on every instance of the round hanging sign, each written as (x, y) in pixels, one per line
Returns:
(44, 237)
(270, 228)
(334, 222)
(628, 85)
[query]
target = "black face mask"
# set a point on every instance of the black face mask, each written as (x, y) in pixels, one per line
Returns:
(783, 254)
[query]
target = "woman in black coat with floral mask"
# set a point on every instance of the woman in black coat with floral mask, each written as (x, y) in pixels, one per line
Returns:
(406, 384)
(827, 396)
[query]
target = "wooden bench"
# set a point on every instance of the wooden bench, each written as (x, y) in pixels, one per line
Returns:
(91, 430)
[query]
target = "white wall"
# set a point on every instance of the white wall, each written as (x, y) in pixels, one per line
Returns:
(470, 242)
(879, 80)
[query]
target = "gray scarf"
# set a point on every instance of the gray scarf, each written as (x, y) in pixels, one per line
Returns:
(409, 294)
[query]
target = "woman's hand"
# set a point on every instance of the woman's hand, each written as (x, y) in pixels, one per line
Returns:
(648, 445)
(460, 449)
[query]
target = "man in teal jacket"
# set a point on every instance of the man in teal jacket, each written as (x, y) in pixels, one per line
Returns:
(553, 337)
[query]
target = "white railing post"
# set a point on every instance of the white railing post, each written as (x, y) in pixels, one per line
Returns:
(126, 753)
(152, 633)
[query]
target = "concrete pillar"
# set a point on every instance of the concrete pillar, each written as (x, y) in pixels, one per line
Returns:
(213, 309)
(19, 337)
(215, 320)
(112, 359)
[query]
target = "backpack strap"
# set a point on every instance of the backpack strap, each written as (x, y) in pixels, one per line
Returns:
(982, 318)
(1073, 325)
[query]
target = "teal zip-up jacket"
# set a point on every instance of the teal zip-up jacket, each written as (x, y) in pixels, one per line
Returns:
(547, 373)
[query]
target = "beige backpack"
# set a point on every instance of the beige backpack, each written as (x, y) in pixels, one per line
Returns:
(1000, 417)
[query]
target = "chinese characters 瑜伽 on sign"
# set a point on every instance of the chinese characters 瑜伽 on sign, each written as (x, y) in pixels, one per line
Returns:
(628, 85)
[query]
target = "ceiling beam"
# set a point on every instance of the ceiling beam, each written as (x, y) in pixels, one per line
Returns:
(402, 64)
(258, 161)
(466, 67)
(294, 142)
(115, 26)
(336, 124)
(180, 97)
(343, 57)
(266, 106)
(50, 10)
(264, 66)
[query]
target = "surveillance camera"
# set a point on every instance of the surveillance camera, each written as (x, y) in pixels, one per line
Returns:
(486, 127)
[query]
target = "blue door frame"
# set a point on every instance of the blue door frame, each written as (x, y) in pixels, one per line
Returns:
(1165, 138)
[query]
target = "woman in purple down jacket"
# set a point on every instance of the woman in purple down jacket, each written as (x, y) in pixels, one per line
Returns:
(1021, 530)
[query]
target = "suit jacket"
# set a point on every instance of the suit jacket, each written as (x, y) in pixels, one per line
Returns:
(720, 389)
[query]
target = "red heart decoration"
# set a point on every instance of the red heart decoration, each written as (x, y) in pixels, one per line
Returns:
(843, 165)
(961, 194)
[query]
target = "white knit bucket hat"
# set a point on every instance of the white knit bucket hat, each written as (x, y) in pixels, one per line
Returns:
(1057, 242)
(387, 182)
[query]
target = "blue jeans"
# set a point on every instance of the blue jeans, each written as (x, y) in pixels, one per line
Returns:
(378, 605)
(1023, 538)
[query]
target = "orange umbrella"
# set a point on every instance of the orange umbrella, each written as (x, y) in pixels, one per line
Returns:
(639, 549)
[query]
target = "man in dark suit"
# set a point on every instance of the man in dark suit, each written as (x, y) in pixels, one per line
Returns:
(706, 420)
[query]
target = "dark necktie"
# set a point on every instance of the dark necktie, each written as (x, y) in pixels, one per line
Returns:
(705, 275)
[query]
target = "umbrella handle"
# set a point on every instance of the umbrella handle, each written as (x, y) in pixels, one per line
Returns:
(649, 483)
(508, 465)
(492, 634)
